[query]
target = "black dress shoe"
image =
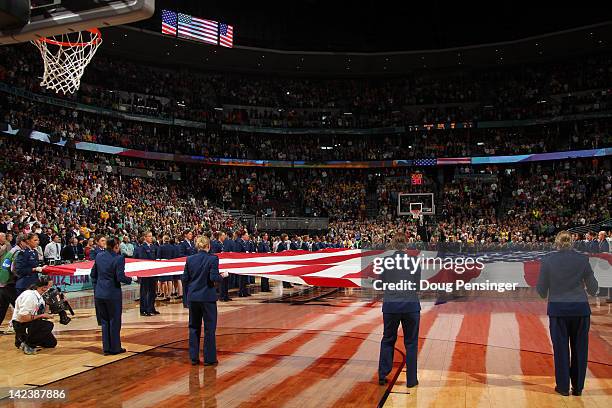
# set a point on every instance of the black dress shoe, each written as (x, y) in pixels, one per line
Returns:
(560, 391)
(107, 353)
(382, 381)
(114, 353)
(577, 392)
(145, 314)
(195, 362)
(412, 385)
(211, 364)
(155, 312)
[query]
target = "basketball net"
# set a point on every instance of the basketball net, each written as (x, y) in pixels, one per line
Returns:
(417, 216)
(65, 57)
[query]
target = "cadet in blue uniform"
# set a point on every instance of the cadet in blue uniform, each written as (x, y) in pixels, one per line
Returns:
(243, 246)
(100, 246)
(216, 247)
(400, 307)
(147, 285)
(187, 247)
(282, 246)
(264, 248)
(304, 246)
(166, 251)
(563, 277)
(107, 275)
(26, 264)
(200, 274)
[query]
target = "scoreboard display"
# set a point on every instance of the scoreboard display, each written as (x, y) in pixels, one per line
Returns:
(416, 179)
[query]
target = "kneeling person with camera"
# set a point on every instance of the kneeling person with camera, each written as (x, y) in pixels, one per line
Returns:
(29, 318)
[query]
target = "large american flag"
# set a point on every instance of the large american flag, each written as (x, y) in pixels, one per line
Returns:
(226, 35)
(169, 21)
(198, 29)
(350, 267)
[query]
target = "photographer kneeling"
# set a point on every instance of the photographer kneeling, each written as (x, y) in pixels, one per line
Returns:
(31, 328)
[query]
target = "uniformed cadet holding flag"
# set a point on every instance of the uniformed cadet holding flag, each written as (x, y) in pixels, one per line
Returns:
(199, 277)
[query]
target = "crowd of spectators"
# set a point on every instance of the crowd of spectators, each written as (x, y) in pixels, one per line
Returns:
(75, 125)
(503, 93)
(75, 196)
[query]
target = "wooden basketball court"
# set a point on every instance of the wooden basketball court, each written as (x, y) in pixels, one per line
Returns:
(473, 352)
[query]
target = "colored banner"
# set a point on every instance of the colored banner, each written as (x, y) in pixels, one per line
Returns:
(348, 164)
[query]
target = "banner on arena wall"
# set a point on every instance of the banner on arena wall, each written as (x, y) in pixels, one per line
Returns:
(354, 267)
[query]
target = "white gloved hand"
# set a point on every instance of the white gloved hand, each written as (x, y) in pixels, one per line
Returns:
(134, 278)
(38, 269)
(224, 274)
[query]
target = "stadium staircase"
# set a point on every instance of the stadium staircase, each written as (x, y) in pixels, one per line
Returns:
(372, 200)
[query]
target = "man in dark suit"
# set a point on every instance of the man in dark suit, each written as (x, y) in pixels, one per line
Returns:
(563, 277)
(148, 285)
(187, 247)
(264, 248)
(600, 246)
(73, 251)
(200, 274)
(400, 306)
(107, 275)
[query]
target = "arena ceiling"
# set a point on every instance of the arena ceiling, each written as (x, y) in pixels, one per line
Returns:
(382, 26)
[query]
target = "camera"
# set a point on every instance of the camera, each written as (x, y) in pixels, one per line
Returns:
(54, 298)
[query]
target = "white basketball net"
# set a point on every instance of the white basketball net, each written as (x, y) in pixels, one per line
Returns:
(65, 57)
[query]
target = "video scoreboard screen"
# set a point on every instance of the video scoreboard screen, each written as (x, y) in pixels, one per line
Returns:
(197, 29)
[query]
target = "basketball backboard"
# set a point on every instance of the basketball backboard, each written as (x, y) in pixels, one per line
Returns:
(409, 201)
(54, 17)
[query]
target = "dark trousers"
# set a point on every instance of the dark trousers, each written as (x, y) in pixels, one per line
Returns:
(109, 312)
(224, 289)
(37, 333)
(8, 294)
(265, 284)
(242, 285)
(570, 339)
(410, 326)
(148, 292)
(203, 312)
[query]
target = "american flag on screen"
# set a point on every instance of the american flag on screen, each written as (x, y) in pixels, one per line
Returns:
(453, 160)
(198, 29)
(425, 162)
(226, 35)
(169, 21)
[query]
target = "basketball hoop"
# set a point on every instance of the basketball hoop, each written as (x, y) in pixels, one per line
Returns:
(65, 57)
(416, 213)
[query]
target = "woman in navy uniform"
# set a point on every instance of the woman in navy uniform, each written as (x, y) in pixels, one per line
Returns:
(242, 245)
(186, 247)
(200, 274)
(166, 251)
(99, 247)
(264, 248)
(564, 274)
(400, 307)
(26, 264)
(216, 247)
(107, 275)
(148, 285)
